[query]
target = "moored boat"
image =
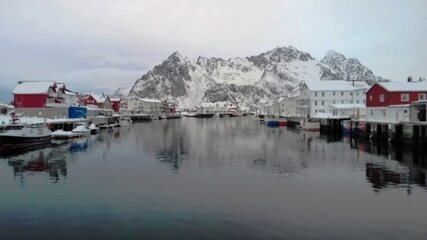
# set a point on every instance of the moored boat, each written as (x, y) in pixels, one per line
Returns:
(283, 122)
(80, 130)
(17, 133)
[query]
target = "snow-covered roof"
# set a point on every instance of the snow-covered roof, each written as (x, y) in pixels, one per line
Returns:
(148, 100)
(33, 87)
(207, 104)
(70, 93)
(98, 98)
(404, 86)
(348, 106)
(335, 85)
(5, 105)
(115, 99)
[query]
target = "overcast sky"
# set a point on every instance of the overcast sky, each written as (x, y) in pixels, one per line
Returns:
(99, 45)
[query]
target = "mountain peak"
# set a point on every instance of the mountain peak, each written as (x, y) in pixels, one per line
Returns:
(178, 57)
(334, 54)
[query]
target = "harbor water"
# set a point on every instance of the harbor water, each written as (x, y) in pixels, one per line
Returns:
(219, 178)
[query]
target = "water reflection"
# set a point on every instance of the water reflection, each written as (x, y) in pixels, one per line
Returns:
(49, 160)
(229, 144)
(52, 159)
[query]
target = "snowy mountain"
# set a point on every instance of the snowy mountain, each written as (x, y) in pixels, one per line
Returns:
(120, 92)
(246, 80)
(349, 69)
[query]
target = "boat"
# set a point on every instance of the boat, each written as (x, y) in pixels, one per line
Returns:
(204, 115)
(19, 134)
(140, 117)
(93, 128)
(189, 114)
(64, 134)
(272, 121)
(80, 130)
(283, 122)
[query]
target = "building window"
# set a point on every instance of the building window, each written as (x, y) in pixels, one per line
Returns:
(384, 112)
(315, 103)
(382, 98)
(404, 97)
(323, 94)
(422, 96)
(333, 93)
(315, 94)
(342, 101)
(357, 101)
(342, 93)
(370, 97)
(323, 102)
(372, 112)
(333, 102)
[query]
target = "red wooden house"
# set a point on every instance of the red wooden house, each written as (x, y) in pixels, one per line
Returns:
(391, 101)
(86, 100)
(395, 93)
(115, 103)
(31, 94)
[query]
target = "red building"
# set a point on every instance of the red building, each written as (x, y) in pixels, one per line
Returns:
(86, 100)
(115, 103)
(30, 94)
(395, 93)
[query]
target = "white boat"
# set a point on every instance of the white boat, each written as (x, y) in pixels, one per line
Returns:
(64, 134)
(22, 133)
(93, 128)
(80, 130)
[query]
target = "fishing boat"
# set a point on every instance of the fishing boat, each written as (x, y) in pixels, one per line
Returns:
(283, 121)
(18, 133)
(272, 121)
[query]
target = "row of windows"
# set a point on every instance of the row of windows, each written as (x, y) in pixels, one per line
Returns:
(404, 97)
(384, 112)
(342, 102)
(342, 93)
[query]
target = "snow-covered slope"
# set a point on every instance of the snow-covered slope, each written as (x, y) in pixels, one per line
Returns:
(349, 69)
(246, 80)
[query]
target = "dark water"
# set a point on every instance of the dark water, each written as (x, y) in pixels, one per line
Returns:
(213, 179)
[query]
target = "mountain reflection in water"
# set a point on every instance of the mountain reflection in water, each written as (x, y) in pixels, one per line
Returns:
(229, 178)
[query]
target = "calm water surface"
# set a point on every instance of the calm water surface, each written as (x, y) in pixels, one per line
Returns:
(213, 179)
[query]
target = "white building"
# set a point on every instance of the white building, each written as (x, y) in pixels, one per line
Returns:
(219, 107)
(144, 106)
(331, 98)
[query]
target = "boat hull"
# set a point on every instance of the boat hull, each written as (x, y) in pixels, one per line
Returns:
(204, 115)
(18, 142)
